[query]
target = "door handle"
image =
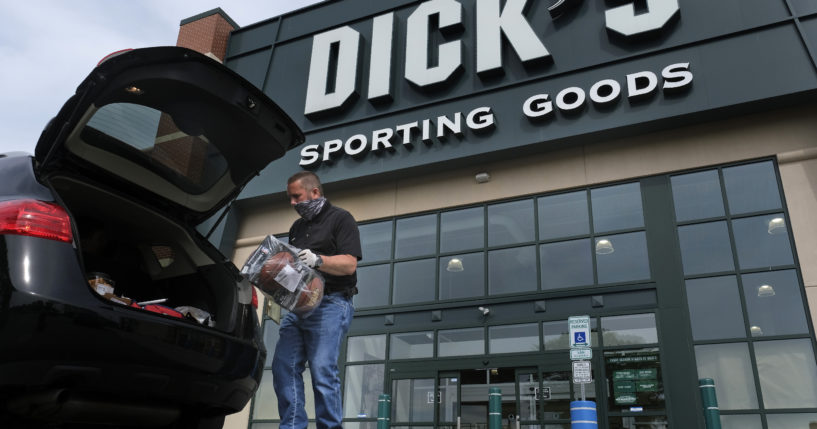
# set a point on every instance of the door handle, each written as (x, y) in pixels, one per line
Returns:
(536, 393)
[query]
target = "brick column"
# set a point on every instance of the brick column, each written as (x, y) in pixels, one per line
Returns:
(207, 33)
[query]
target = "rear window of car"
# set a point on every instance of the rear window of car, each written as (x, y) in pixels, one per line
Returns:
(151, 138)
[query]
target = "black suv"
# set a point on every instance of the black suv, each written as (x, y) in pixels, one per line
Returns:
(154, 143)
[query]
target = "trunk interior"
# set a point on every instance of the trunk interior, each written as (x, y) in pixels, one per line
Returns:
(147, 256)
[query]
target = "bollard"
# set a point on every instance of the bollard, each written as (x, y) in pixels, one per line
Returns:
(494, 408)
(383, 411)
(583, 415)
(712, 414)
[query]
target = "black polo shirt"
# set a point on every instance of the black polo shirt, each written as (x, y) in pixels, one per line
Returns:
(332, 232)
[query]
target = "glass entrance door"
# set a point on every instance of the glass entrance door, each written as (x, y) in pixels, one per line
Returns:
(544, 397)
(420, 400)
(535, 396)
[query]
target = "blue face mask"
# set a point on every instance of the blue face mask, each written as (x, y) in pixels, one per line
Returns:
(310, 208)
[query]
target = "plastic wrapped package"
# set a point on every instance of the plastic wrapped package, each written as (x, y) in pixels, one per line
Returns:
(275, 269)
(197, 314)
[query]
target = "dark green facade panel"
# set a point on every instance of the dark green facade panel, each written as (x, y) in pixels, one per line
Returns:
(803, 7)
(809, 27)
(252, 66)
(744, 70)
(334, 13)
(254, 37)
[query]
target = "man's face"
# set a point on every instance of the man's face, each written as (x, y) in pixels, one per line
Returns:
(298, 193)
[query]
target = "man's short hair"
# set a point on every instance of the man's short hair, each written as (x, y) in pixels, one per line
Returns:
(308, 179)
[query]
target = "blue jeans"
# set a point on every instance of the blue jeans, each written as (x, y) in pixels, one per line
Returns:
(316, 339)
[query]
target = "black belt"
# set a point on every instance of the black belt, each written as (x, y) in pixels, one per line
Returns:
(347, 292)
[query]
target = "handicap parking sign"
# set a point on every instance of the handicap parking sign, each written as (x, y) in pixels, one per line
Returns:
(579, 331)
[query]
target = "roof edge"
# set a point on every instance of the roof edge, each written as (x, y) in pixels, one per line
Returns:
(202, 15)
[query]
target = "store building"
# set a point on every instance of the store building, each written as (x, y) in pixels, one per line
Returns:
(651, 164)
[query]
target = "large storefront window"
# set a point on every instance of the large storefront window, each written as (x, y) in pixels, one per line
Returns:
(550, 243)
(745, 297)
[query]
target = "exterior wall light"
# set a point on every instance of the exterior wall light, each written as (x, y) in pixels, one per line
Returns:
(482, 177)
(764, 291)
(756, 331)
(604, 247)
(454, 265)
(777, 226)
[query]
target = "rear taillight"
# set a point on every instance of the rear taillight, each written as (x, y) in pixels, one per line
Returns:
(254, 298)
(35, 218)
(113, 54)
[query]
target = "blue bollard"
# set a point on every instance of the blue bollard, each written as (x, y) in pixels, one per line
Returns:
(583, 415)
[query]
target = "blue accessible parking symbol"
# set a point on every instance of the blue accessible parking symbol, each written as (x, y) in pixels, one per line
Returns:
(579, 338)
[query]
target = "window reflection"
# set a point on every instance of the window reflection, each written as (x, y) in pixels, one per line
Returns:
(788, 374)
(364, 384)
(513, 338)
(697, 195)
(374, 279)
(416, 236)
(793, 420)
(623, 258)
(412, 345)
(714, 308)
(563, 215)
(741, 421)
(751, 187)
(705, 248)
(510, 223)
(414, 281)
(729, 366)
(629, 329)
(368, 347)
(462, 276)
(617, 207)
(462, 229)
(757, 247)
(566, 264)
(774, 304)
(512, 270)
(375, 241)
(460, 342)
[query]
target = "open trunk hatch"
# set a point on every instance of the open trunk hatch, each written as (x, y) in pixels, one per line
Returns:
(170, 128)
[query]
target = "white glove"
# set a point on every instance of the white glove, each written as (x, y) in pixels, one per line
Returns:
(310, 259)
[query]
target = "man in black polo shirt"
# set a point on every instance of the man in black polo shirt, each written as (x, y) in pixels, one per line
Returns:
(330, 243)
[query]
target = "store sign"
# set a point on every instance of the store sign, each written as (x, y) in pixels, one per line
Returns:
(481, 120)
(432, 66)
(632, 359)
(333, 70)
